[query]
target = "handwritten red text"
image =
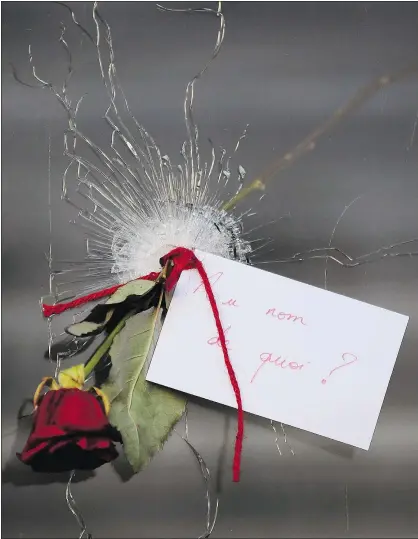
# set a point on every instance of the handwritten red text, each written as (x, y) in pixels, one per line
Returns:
(285, 316)
(216, 340)
(231, 303)
(348, 359)
(277, 361)
(213, 279)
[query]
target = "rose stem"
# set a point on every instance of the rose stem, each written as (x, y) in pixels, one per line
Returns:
(104, 347)
(309, 143)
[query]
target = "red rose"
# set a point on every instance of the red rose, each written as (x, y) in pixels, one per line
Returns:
(70, 432)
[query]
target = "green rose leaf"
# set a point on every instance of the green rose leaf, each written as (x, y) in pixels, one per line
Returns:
(144, 413)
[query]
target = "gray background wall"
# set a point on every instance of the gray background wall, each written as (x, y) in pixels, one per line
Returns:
(284, 67)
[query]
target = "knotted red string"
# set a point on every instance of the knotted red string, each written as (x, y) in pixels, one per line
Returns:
(182, 259)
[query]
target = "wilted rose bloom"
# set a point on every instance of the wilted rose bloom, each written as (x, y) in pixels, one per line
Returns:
(70, 432)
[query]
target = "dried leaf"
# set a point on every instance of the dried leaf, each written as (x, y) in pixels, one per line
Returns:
(93, 324)
(136, 295)
(143, 413)
(139, 287)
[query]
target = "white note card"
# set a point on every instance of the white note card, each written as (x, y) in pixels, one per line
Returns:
(303, 356)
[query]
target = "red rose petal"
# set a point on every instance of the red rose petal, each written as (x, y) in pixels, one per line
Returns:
(29, 452)
(70, 431)
(80, 411)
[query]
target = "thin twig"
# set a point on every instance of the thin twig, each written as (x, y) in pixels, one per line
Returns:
(309, 143)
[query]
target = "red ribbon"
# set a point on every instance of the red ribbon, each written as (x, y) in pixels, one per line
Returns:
(58, 308)
(182, 259)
